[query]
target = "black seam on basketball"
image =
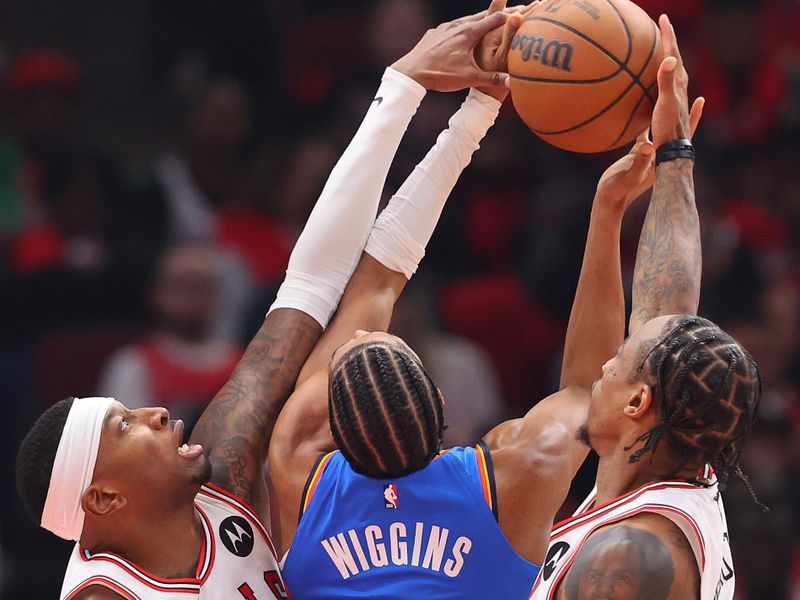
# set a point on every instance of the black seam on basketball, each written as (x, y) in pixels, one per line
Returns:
(625, 27)
(623, 66)
(647, 63)
(570, 81)
(590, 119)
(627, 123)
(637, 77)
(645, 95)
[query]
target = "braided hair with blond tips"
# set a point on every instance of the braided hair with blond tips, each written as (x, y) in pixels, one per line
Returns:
(386, 414)
(707, 388)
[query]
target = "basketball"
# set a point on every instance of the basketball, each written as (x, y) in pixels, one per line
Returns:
(583, 72)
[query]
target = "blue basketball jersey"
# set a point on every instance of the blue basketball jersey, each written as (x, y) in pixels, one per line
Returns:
(430, 534)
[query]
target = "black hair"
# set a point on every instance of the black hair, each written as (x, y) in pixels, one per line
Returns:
(707, 388)
(36, 456)
(386, 414)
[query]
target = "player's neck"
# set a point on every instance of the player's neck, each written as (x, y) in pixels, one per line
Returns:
(616, 475)
(166, 545)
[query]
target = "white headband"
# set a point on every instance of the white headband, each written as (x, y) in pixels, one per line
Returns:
(74, 467)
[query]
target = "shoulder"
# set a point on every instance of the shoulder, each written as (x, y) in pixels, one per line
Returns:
(544, 440)
(656, 554)
(97, 592)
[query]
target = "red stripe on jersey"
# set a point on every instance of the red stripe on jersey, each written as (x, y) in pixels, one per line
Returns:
(185, 585)
(206, 563)
(218, 493)
(104, 582)
(598, 511)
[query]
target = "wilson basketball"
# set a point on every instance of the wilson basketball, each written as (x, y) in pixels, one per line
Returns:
(583, 72)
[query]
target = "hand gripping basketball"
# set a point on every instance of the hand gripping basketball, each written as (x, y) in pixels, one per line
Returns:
(444, 60)
(672, 118)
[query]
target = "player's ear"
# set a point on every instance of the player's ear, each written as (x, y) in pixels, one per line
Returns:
(101, 500)
(639, 402)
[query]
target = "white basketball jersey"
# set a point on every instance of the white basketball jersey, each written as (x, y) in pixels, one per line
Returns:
(696, 510)
(237, 560)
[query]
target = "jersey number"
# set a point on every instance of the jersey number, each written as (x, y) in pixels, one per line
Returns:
(274, 583)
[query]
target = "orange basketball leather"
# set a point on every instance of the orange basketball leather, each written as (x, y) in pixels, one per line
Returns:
(583, 72)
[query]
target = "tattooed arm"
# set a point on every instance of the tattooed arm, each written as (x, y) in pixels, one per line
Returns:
(666, 278)
(235, 428)
(644, 556)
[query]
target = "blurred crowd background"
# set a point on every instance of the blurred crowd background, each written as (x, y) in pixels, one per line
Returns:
(158, 160)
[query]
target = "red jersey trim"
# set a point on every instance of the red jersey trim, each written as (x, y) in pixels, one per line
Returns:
(313, 481)
(106, 583)
(598, 511)
(188, 586)
(208, 551)
(183, 585)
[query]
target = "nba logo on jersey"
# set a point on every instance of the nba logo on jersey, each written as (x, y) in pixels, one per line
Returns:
(390, 495)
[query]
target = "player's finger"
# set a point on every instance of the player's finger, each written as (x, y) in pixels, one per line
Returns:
(696, 113)
(496, 6)
(666, 76)
(495, 79)
(476, 30)
(469, 18)
(509, 31)
(669, 40)
(643, 137)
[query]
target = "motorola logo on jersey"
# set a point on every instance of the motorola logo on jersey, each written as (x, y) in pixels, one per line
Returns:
(390, 496)
(554, 554)
(237, 535)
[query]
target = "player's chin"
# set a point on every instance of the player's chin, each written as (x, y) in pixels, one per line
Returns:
(199, 470)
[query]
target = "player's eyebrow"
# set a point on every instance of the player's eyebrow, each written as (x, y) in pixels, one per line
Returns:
(114, 411)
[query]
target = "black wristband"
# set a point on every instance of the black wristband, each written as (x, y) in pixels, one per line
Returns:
(681, 148)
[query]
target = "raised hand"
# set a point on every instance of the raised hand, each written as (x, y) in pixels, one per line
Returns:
(444, 59)
(630, 176)
(672, 118)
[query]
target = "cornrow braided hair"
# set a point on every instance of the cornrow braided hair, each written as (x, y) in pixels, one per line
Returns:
(708, 389)
(386, 414)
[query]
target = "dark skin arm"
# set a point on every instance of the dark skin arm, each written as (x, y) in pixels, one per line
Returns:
(236, 427)
(611, 563)
(302, 432)
(543, 445)
(666, 279)
(535, 457)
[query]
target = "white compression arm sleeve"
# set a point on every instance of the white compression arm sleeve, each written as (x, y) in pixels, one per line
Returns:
(403, 229)
(333, 239)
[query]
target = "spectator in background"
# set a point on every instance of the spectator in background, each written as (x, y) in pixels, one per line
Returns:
(212, 191)
(462, 370)
(742, 75)
(181, 364)
(194, 183)
(41, 92)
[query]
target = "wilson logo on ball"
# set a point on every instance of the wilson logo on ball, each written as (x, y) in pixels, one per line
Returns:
(555, 53)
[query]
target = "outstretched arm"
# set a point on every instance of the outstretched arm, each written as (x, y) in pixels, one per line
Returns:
(666, 278)
(544, 444)
(237, 426)
(393, 252)
(395, 248)
(536, 456)
(597, 321)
